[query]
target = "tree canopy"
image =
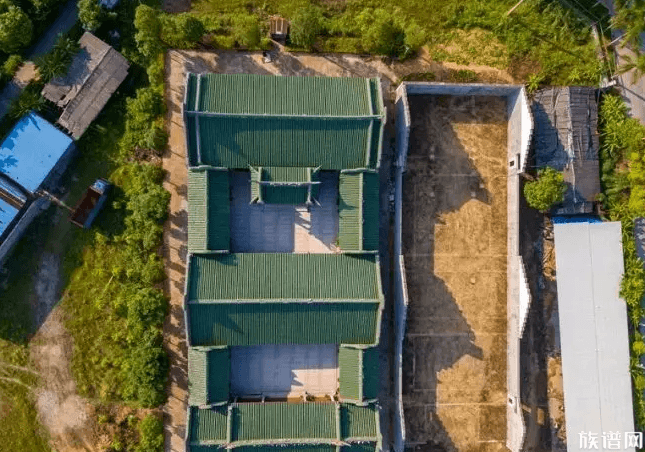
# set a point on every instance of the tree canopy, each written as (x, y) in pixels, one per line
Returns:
(16, 29)
(90, 14)
(306, 25)
(546, 191)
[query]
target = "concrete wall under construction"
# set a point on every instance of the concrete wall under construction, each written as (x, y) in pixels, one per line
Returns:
(520, 126)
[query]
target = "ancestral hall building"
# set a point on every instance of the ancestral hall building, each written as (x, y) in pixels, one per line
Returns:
(283, 297)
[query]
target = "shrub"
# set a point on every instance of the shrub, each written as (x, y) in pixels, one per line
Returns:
(57, 61)
(16, 28)
(181, 31)
(247, 31)
(148, 35)
(150, 434)
(546, 191)
(90, 14)
(11, 65)
(415, 37)
(306, 25)
(380, 33)
(145, 371)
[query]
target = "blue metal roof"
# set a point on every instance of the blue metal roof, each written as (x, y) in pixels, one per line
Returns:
(31, 151)
(7, 214)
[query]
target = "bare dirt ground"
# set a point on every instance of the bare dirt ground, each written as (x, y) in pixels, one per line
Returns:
(541, 392)
(454, 243)
(67, 416)
(175, 252)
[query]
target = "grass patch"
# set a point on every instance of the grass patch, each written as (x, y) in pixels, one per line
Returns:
(111, 274)
(549, 37)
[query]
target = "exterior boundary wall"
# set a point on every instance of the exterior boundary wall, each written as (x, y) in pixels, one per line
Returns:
(520, 129)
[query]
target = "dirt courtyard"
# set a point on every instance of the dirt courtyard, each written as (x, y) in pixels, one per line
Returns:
(455, 246)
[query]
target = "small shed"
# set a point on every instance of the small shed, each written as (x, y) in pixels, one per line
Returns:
(95, 73)
(565, 137)
(279, 28)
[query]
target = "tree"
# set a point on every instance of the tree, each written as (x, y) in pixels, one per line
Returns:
(629, 18)
(16, 28)
(246, 31)
(546, 191)
(90, 14)
(635, 62)
(150, 434)
(57, 61)
(181, 31)
(148, 35)
(306, 25)
(380, 33)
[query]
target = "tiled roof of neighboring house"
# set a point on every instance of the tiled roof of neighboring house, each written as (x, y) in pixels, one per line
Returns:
(279, 185)
(237, 121)
(565, 137)
(359, 373)
(208, 210)
(283, 423)
(204, 388)
(358, 211)
(95, 73)
(255, 323)
(248, 277)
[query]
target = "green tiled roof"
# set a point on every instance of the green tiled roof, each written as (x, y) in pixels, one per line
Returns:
(359, 371)
(208, 425)
(278, 185)
(284, 421)
(237, 121)
(359, 447)
(257, 94)
(358, 211)
(282, 174)
(208, 376)
(265, 424)
(240, 142)
(359, 422)
(240, 324)
(289, 448)
(283, 277)
(208, 210)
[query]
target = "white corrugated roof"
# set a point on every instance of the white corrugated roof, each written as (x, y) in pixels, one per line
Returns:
(593, 331)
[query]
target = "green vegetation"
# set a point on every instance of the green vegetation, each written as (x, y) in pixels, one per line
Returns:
(540, 37)
(90, 14)
(57, 61)
(150, 434)
(546, 191)
(112, 274)
(306, 25)
(622, 155)
(16, 29)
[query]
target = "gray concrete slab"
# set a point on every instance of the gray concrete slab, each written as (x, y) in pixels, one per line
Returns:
(284, 370)
(275, 228)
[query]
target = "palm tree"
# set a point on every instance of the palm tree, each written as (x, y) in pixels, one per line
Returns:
(635, 62)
